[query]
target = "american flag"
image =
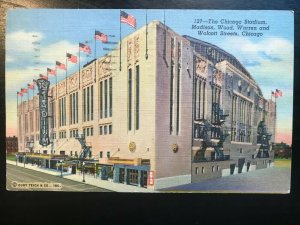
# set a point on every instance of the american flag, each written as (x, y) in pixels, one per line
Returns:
(20, 93)
(72, 58)
(23, 90)
(129, 19)
(85, 48)
(277, 93)
(51, 71)
(30, 86)
(61, 65)
(100, 36)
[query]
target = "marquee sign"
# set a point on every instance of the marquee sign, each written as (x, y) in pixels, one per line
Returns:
(43, 86)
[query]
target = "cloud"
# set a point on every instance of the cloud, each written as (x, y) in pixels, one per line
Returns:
(267, 49)
(57, 51)
(269, 61)
(22, 41)
(21, 50)
(25, 61)
(9, 59)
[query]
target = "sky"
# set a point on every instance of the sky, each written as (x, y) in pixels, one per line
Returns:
(36, 38)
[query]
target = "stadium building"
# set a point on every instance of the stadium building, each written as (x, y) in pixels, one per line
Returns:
(163, 110)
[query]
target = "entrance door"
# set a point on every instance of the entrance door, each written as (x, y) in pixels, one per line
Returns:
(241, 163)
(121, 175)
(248, 166)
(232, 167)
(133, 176)
(144, 179)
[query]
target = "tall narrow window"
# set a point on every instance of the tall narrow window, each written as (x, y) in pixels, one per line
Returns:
(84, 105)
(26, 123)
(196, 112)
(92, 102)
(110, 97)
(105, 98)
(71, 109)
(64, 113)
(88, 103)
(137, 95)
(129, 97)
(37, 120)
(171, 98)
(101, 100)
(31, 121)
(51, 119)
(76, 107)
(199, 96)
(60, 112)
(178, 100)
(54, 114)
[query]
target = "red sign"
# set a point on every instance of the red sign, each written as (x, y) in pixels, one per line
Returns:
(150, 178)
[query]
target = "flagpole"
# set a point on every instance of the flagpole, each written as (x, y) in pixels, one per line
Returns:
(79, 67)
(22, 110)
(22, 104)
(271, 96)
(56, 82)
(146, 55)
(95, 54)
(95, 57)
(66, 75)
(120, 41)
(17, 105)
(27, 100)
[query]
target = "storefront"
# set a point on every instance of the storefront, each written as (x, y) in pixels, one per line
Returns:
(131, 175)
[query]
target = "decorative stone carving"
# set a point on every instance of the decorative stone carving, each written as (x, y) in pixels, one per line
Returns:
(136, 47)
(201, 67)
(61, 88)
(73, 82)
(260, 102)
(87, 75)
(179, 50)
(218, 77)
(175, 148)
(129, 49)
(104, 66)
(172, 48)
(132, 146)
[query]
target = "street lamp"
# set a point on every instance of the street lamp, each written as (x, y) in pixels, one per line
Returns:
(61, 168)
(83, 180)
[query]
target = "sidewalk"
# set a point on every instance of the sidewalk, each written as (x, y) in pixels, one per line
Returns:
(90, 180)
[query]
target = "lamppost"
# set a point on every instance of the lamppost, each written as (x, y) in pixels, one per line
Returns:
(61, 169)
(83, 180)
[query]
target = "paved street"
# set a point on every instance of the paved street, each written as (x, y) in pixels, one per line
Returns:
(271, 180)
(18, 174)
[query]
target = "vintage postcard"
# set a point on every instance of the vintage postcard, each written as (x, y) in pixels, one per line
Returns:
(149, 100)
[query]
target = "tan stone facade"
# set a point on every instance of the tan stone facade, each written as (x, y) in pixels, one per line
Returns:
(142, 112)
